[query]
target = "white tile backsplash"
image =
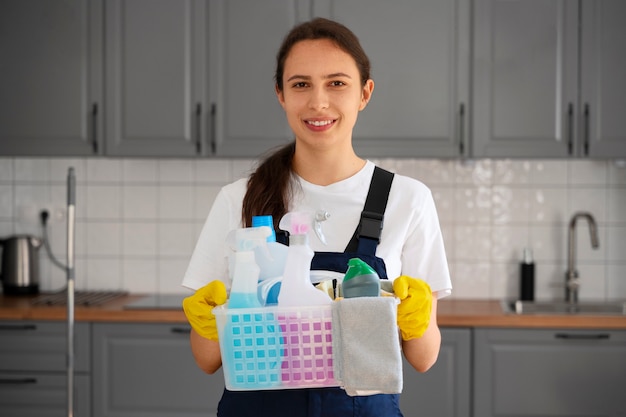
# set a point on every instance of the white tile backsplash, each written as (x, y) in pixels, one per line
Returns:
(176, 202)
(138, 219)
(140, 171)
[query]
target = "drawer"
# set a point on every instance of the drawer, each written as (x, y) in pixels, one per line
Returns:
(42, 346)
(42, 395)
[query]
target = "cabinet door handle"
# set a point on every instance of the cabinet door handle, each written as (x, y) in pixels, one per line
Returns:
(94, 128)
(587, 128)
(181, 330)
(593, 336)
(213, 132)
(462, 128)
(570, 129)
(198, 128)
(18, 381)
(18, 327)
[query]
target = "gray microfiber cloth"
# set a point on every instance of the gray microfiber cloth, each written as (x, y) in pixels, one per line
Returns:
(366, 346)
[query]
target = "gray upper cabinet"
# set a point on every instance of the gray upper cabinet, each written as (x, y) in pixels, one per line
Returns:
(603, 80)
(420, 56)
(244, 39)
(155, 71)
(538, 90)
(50, 77)
(525, 78)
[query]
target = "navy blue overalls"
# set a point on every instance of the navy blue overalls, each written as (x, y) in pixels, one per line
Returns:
(333, 401)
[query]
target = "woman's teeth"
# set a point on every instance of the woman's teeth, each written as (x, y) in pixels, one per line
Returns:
(320, 123)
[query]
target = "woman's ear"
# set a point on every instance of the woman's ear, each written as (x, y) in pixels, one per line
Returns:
(280, 96)
(366, 94)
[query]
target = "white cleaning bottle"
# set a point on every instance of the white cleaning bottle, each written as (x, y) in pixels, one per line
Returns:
(243, 292)
(296, 288)
(271, 259)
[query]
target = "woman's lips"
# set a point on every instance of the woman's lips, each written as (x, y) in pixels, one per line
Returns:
(319, 125)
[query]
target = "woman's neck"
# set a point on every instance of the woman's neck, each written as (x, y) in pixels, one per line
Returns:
(326, 168)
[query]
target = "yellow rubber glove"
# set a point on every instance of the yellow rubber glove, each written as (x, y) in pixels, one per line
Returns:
(199, 308)
(415, 306)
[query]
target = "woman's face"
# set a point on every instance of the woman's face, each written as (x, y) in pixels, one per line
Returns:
(322, 94)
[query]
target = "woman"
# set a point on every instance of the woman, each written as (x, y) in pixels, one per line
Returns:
(323, 82)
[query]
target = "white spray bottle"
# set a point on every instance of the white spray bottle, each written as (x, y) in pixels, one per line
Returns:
(243, 292)
(296, 288)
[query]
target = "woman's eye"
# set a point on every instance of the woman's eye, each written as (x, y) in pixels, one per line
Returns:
(337, 83)
(301, 84)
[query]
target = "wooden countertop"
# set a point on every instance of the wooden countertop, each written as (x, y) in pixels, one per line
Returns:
(451, 313)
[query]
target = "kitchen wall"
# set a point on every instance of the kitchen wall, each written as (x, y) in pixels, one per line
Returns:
(138, 219)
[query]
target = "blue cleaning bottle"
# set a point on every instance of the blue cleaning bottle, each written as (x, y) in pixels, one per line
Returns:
(243, 292)
(296, 288)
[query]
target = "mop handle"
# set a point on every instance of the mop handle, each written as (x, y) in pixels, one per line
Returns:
(71, 220)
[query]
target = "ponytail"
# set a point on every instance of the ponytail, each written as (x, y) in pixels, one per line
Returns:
(270, 187)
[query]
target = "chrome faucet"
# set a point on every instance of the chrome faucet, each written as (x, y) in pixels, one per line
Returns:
(571, 276)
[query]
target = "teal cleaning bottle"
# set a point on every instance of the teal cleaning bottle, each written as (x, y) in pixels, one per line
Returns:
(243, 292)
(360, 280)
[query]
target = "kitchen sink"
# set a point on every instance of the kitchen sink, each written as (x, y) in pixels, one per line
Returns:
(600, 308)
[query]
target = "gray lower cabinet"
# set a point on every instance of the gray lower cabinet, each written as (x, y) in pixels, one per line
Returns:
(557, 373)
(147, 370)
(444, 390)
(33, 373)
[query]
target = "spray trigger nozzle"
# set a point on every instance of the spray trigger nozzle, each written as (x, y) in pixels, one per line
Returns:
(300, 222)
(320, 216)
(248, 238)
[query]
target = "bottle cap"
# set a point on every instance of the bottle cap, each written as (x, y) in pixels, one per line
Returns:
(528, 256)
(357, 267)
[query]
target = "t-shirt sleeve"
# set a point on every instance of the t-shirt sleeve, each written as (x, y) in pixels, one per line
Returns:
(424, 254)
(209, 260)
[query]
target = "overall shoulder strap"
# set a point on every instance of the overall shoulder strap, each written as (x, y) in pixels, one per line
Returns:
(367, 234)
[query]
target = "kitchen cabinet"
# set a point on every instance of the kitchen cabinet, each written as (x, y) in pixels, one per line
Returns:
(444, 390)
(50, 77)
(420, 56)
(603, 84)
(555, 372)
(60, 54)
(547, 78)
(155, 102)
(33, 371)
(147, 369)
(243, 41)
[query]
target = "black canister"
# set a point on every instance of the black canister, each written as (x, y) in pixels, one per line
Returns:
(527, 276)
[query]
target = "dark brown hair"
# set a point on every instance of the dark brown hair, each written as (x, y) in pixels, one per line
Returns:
(270, 186)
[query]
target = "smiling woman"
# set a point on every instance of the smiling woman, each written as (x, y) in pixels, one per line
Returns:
(322, 83)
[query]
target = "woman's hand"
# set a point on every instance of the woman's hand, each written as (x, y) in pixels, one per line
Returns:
(199, 308)
(415, 306)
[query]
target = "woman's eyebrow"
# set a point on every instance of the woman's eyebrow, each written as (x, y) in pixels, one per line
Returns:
(308, 77)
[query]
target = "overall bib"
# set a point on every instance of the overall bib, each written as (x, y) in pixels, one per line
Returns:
(332, 401)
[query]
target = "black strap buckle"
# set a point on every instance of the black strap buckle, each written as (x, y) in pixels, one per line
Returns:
(371, 225)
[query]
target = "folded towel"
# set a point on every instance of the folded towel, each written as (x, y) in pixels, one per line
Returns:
(366, 345)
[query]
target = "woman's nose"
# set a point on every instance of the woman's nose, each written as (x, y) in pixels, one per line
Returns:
(318, 99)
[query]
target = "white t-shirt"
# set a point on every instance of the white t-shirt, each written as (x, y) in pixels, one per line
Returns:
(411, 241)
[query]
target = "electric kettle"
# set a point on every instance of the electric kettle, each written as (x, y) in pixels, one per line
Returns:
(20, 264)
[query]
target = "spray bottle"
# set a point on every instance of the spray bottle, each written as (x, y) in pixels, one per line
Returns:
(271, 260)
(296, 288)
(243, 292)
